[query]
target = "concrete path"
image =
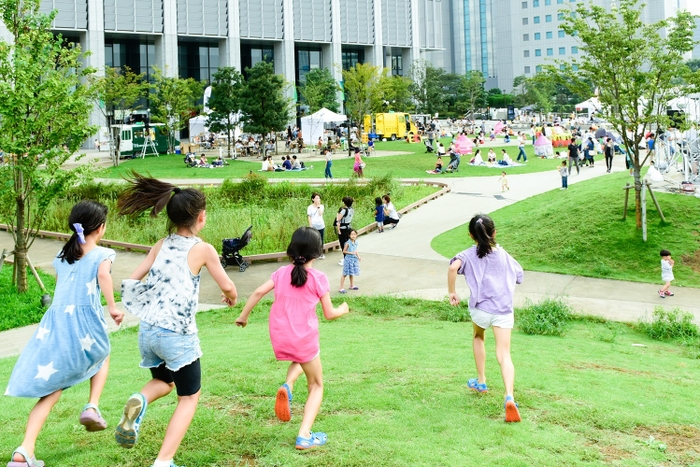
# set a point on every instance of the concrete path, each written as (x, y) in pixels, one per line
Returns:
(400, 261)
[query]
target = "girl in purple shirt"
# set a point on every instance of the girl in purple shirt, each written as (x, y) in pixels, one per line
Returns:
(491, 275)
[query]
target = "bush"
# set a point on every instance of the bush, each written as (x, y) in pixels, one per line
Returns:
(550, 317)
(673, 324)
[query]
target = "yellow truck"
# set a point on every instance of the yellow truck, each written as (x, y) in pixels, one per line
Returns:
(391, 126)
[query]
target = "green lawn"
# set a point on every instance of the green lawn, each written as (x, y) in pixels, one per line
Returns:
(581, 232)
(411, 165)
(395, 395)
(22, 309)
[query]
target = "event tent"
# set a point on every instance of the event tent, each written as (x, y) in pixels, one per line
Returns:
(590, 106)
(312, 125)
(463, 145)
(543, 147)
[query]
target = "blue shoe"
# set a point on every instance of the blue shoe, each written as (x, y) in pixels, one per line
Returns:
(315, 440)
(474, 385)
(283, 403)
(127, 432)
(512, 412)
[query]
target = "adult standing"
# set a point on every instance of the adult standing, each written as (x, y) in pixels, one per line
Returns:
(391, 216)
(359, 165)
(343, 221)
(609, 150)
(329, 163)
(573, 156)
(315, 214)
(521, 147)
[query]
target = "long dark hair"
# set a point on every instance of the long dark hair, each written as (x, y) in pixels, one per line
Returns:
(305, 246)
(482, 228)
(90, 215)
(144, 193)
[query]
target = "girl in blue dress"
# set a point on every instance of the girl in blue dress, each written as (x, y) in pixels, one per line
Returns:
(70, 344)
(351, 265)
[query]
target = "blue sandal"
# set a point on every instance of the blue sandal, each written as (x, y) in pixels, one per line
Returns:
(314, 440)
(474, 385)
(28, 460)
(512, 412)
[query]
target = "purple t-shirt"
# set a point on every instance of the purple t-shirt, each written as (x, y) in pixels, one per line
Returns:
(491, 279)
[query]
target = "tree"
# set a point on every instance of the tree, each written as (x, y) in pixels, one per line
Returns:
(520, 91)
(45, 105)
(693, 64)
(471, 93)
(117, 92)
(636, 68)
(225, 102)
(320, 90)
(362, 92)
(174, 102)
(541, 91)
(396, 93)
(264, 107)
(427, 88)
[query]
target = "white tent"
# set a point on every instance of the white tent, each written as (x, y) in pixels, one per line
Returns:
(198, 125)
(312, 125)
(590, 106)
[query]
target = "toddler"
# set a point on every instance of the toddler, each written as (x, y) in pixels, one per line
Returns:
(666, 273)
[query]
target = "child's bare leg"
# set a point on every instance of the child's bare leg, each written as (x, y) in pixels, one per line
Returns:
(37, 418)
(179, 423)
(479, 353)
(502, 336)
(314, 377)
(342, 282)
(352, 282)
(97, 384)
(666, 286)
(293, 373)
(155, 389)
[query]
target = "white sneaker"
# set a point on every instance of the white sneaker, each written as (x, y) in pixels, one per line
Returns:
(322, 257)
(341, 262)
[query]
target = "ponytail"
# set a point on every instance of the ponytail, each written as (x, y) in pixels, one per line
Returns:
(85, 218)
(482, 229)
(304, 247)
(299, 273)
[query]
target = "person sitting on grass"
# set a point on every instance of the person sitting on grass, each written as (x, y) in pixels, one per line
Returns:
(287, 163)
(203, 161)
(438, 167)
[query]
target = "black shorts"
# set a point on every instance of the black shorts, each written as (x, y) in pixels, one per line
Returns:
(188, 379)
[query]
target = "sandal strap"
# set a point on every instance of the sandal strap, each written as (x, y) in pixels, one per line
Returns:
(93, 407)
(29, 460)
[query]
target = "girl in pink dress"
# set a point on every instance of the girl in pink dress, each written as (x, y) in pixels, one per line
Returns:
(294, 327)
(359, 165)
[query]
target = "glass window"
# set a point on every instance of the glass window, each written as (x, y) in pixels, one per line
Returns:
(574, 49)
(527, 70)
(535, 3)
(559, 2)
(538, 68)
(549, 34)
(560, 16)
(536, 20)
(562, 50)
(538, 52)
(548, 18)
(350, 58)
(524, 21)
(550, 52)
(562, 67)
(538, 36)
(561, 34)
(526, 37)
(397, 65)
(547, 2)
(526, 53)
(574, 67)
(524, 5)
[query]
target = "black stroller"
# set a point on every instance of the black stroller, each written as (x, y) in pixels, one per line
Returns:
(190, 160)
(428, 146)
(453, 166)
(230, 250)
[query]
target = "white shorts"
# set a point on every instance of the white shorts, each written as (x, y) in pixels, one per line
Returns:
(485, 320)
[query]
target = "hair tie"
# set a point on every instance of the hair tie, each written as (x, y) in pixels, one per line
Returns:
(479, 221)
(299, 260)
(80, 232)
(176, 190)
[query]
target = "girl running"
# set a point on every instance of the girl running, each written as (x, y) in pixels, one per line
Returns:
(491, 275)
(351, 266)
(71, 343)
(167, 304)
(293, 325)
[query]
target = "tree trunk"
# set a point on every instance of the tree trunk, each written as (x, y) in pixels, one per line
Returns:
(228, 137)
(20, 265)
(638, 187)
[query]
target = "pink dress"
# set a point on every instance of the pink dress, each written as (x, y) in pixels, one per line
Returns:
(293, 320)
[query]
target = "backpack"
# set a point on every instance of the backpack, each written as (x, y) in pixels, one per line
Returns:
(346, 220)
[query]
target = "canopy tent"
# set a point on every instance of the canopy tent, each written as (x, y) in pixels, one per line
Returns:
(688, 105)
(198, 125)
(463, 145)
(499, 127)
(590, 106)
(312, 125)
(543, 147)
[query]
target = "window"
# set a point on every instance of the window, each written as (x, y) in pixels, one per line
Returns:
(548, 18)
(351, 57)
(535, 3)
(199, 60)
(561, 34)
(397, 65)
(524, 21)
(538, 68)
(547, 2)
(562, 50)
(526, 53)
(562, 67)
(574, 49)
(538, 36)
(524, 4)
(560, 16)
(538, 52)
(559, 2)
(536, 20)
(550, 52)
(527, 70)
(526, 37)
(549, 34)
(307, 60)
(574, 67)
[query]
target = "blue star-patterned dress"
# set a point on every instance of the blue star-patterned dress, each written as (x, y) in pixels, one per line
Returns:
(71, 343)
(351, 265)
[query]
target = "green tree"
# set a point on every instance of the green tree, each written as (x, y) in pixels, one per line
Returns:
(396, 93)
(320, 90)
(264, 106)
(45, 105)
(471, 93)
(428, 87)
(541, 90)
(363, 95)
(693, 64)
(225, 102)
(636, 68)
(117, 92)
(174, 102)
(520, 91)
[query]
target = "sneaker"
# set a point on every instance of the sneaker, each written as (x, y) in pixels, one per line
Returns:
(341, 262)
(314, 440)
(283, 403)
(322, 257)
(669, 293)
(127, 432)
(474, 385)
(512, 412)
(662, 294)
(343, 291)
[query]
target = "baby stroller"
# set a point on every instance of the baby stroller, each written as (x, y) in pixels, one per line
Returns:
(453, 166)
(428, 146)
(190, 160)
(230, 250)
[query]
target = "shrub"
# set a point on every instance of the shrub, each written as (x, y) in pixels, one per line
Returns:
(550, 317)
(670, 324)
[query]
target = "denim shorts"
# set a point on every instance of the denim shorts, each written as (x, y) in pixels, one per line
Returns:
(485, 320)
(162, 346)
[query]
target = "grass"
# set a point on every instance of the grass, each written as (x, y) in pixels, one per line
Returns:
(581, 232)
(22, 309)
(274, 210)
(395, 396)
(410, 165)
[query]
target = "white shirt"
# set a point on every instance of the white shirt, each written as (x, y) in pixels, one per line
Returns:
(315, 215)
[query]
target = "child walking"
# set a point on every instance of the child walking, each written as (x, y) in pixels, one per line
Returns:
(167, 303)
(666, 273)
(71, 343)
(504, 182)
(351, 267)
(293, 326)
(564, 172)
(491, 275)
(379, 214)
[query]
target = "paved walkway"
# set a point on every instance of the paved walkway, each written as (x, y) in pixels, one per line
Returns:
(401, 261)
